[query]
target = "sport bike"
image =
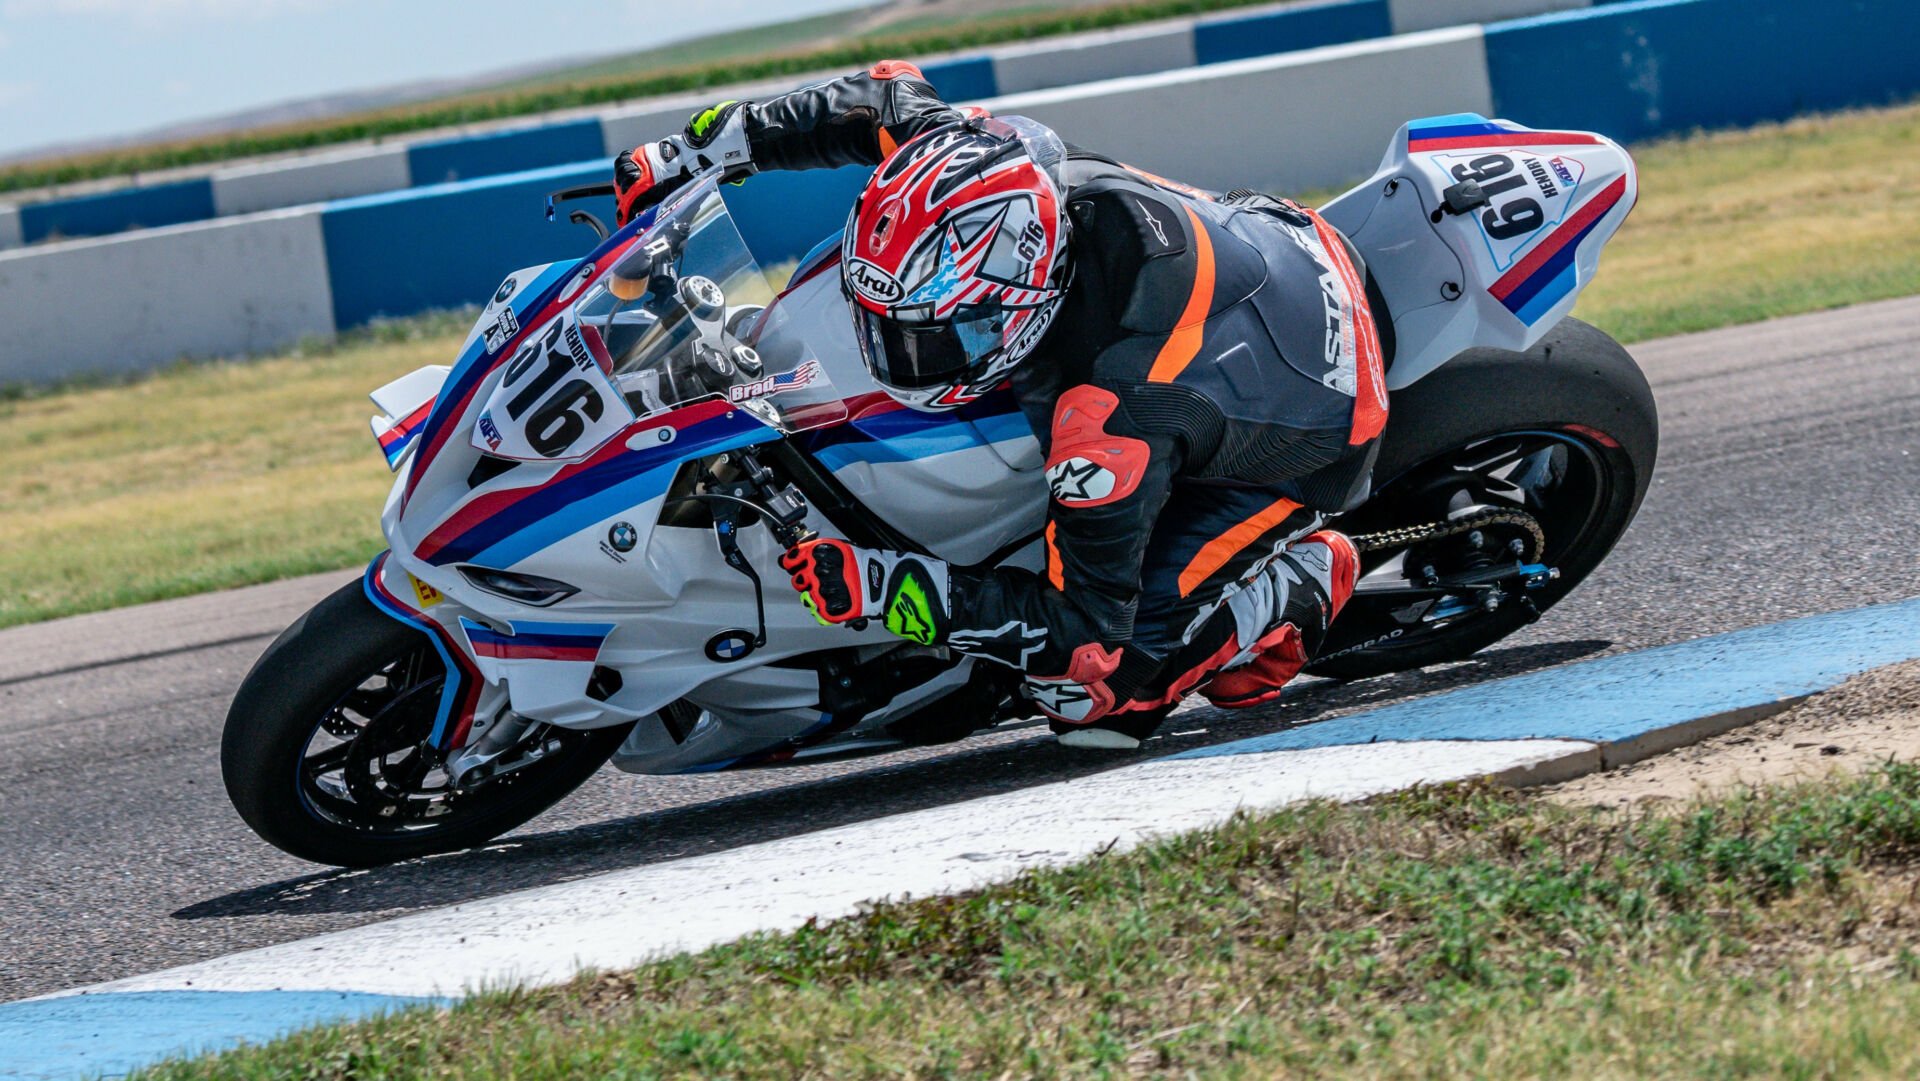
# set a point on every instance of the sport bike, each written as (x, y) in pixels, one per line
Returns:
(589, 506)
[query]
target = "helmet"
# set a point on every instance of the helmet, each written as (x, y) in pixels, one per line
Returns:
(954, 259)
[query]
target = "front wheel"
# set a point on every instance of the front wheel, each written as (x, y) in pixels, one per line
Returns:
(327, 755)
(1565, 434)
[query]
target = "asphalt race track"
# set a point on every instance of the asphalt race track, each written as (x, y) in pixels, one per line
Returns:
(1789, 480)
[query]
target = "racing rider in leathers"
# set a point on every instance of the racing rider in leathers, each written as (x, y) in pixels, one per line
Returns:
(1202, 371)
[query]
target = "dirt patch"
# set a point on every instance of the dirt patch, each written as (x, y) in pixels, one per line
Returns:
(1864, 721)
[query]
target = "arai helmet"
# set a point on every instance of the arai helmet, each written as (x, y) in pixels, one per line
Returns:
(954, 259)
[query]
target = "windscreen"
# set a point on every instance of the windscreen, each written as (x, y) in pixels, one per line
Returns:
(689, 314)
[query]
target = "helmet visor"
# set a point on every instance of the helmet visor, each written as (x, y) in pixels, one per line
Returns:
(914, 356)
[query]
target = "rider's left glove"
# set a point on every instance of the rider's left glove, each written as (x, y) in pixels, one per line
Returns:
(840, 583)
(714, 139)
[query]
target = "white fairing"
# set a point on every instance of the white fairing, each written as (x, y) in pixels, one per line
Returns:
(1498, 275)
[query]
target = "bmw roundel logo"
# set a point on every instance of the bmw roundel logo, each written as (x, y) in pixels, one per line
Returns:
(729, 646)
(622, 537)
(506, 289)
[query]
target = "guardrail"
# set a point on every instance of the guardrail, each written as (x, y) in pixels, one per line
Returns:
(1050, 62)
(1304, 119)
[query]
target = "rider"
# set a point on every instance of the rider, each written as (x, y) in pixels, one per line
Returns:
(1203, 373)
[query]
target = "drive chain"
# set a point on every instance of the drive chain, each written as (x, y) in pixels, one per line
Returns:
(1431, 531)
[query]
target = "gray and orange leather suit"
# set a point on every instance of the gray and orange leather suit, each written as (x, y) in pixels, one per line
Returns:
(1210, 390)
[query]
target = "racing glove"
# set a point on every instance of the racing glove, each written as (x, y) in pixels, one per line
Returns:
(714, 139)
(840, 583)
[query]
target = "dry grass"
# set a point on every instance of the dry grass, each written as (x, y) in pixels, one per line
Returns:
(1735, 227)
(200, 478)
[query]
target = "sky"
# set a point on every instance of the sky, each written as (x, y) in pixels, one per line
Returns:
(85, 69)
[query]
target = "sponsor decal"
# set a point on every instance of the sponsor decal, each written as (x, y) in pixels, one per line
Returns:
(621, 537)
(501, 331)
(506, 290)
(1368, 644)
(729, 646)
(424, 593)
(1559, 167)
(1077, 480)
(803, 376)
(873, 283)
(489, 431)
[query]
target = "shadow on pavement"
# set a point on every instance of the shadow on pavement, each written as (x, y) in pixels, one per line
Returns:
(899, 782)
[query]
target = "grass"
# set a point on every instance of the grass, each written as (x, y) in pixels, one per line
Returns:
(648, 75)
(1457, 932)
(196, 478)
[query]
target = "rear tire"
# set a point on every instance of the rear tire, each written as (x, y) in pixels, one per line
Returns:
(301, 684)
(1577, 389)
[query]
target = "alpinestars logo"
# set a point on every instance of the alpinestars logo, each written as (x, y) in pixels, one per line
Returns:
(1067, 701)
(1010, 644)
(1077, 480)
(1159, 232)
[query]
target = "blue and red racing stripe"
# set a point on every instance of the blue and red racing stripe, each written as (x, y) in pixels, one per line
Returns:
(1536, 283)
(461, 692)
(578, 642)
(1470, 130)
(394, 441)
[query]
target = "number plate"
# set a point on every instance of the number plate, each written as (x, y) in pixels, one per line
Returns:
(1530, 194)
(553, 402)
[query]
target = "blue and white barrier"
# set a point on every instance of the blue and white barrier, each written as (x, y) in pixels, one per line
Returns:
(1007, 69)
(1635, 70)
(317, 178)
(1305, 119)
(119, 305)
(1267, 136)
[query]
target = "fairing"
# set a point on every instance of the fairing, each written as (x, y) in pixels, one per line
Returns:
(1500, 274)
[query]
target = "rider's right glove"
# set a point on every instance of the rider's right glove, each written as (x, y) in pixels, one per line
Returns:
(715, 138)
(840, 583)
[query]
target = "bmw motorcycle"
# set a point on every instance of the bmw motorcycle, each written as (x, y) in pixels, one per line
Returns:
(590, 503)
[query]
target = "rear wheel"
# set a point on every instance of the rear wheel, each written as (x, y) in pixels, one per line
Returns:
(327, 751)
(1565, 433)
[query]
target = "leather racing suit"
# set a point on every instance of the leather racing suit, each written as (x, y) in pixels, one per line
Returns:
(1211, 388)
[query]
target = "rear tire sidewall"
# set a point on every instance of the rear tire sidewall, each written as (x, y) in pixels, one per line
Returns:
(324, 654)
(1576, 382)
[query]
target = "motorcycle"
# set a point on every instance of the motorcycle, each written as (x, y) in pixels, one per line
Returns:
(589, 506)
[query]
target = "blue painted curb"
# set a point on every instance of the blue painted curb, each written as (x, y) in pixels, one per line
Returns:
(1625, 697)
(112, 1033)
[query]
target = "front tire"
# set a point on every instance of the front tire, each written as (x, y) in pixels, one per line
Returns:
(1566, 431)
(325, 752)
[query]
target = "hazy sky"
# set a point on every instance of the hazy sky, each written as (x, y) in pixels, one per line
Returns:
(80, 69)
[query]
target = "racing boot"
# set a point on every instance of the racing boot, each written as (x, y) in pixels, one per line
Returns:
(1284, 612)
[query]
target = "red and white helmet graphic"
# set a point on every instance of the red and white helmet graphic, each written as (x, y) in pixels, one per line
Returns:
(954, 260)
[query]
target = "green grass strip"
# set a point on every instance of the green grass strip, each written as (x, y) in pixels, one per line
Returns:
(530, 98)
(1462, 931)
(227, 474)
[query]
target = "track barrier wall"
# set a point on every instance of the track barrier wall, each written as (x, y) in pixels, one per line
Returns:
(124, 304)
(1631, 70)
(1642, 69)
(118, 211)
(1052, 62)
(245, 189)
(1264, 137)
